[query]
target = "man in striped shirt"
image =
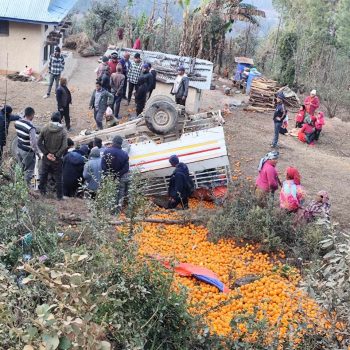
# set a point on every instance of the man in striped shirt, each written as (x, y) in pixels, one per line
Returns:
(56, 67)
(134, 75)
(27, 146)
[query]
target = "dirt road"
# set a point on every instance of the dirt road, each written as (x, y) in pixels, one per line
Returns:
(325, 166)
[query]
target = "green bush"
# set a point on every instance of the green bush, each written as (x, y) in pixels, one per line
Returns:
(272, 228)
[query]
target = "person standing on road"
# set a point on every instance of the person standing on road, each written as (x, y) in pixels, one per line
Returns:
(56, 67)
(180, 88)
(126, 64)
(113, 62)
(134, 75)
(53, 144)
(64, 99)
(179, 184)
(6, 117)
(143, 87)
(100, 100)
(117, 86)
(27, 145)
(279, 116)
(103, 66)
(154, 80)
(115, 162)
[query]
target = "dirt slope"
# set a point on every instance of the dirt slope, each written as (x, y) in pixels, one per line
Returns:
(325, 166)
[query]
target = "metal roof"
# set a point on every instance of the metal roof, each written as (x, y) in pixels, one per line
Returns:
(35, 11)
(245, 60)
(199, 71)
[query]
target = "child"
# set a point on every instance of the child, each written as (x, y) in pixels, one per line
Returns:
(299, 119)
(319, 124)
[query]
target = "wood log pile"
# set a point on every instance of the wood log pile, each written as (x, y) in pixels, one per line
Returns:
(263, 95)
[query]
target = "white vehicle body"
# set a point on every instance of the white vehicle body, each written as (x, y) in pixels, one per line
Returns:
(198, 140)
(203, 151)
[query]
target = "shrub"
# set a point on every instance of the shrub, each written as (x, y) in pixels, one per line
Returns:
(273, 229)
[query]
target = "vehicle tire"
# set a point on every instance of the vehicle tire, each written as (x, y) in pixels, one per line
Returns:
(159, 98)
(161, 117)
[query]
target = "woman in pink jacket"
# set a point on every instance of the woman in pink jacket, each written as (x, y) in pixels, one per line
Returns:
(267, 181)
(312, 103)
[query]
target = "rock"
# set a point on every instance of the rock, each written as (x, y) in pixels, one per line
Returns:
(245, 280)
(235, 103)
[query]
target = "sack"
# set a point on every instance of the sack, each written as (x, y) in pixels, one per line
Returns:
(109, 111)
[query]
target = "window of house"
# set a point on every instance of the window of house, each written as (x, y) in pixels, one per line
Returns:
(46, 27)
(52, 49)
(4, 27)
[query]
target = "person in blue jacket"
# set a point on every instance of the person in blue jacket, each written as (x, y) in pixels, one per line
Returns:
(73, 167)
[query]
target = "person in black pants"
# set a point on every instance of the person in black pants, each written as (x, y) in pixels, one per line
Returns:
(179, 184)
(154, 80)
(143, 88)
(64, 99)
(53, 143)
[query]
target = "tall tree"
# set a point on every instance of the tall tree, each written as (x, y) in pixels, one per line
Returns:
(205, 28)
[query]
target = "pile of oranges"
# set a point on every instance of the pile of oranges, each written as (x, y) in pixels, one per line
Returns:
(273, 297)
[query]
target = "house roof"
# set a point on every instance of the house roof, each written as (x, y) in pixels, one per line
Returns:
(245, 60)
(35, 11)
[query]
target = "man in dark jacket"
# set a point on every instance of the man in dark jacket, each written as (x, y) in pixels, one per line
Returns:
(180, 88)
(6, 117)
(115, 162)
(154, 80)
(64, 99)
(179, 184)
(100, 100)
(143, 87)
(73, 167)
(53, 143)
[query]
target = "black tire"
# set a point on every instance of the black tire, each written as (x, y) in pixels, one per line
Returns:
(159, 98)
(161, 117)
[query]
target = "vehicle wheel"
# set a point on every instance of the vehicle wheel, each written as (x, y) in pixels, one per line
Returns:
(159, 98)
(161, 117)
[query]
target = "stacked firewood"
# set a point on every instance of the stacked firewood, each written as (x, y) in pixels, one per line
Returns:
(263, 95)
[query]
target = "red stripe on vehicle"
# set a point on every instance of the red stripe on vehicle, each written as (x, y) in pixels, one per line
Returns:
(179, 155)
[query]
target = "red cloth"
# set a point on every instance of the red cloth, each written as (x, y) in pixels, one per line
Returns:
(293, 174)
(112, 66)
(311, 104)
(306, 129)
(267, 179)
(137, 44)
(300, 116)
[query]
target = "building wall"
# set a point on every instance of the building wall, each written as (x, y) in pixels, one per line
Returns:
(24, 46)
(193, 98)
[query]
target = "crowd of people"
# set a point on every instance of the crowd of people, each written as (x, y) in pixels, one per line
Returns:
(308, 122)
(122, 78)
(292, 194)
